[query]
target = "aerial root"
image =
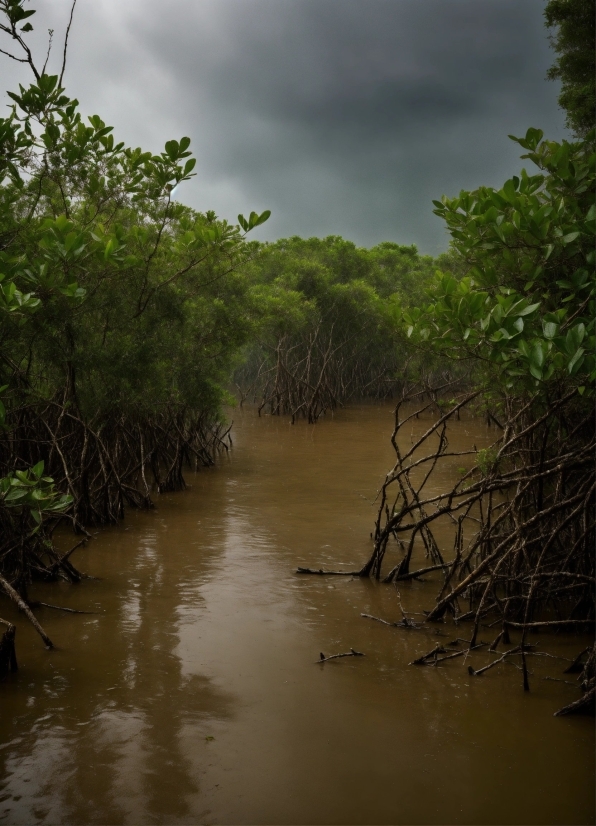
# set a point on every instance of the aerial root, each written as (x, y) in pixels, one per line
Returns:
(523, 518)
(105, 466)
(586, 704)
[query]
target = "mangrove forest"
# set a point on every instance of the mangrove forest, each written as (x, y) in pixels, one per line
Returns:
(204, 437)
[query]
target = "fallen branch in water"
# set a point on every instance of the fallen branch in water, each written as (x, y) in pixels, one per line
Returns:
(405, 623)
(351, 653)
(558, 680)
(433, 655)
(551, 623)
(473, 673)
(438, 649)
(465, 651)
(59, 608)
(416, 574)
(10, 591)
(321, 572)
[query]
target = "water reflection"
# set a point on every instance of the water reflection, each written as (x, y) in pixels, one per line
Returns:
(193, 694)
(112, 751)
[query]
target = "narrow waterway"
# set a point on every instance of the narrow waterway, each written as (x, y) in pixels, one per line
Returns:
(192, 695)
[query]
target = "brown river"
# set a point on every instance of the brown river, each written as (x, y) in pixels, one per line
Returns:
(192, 694)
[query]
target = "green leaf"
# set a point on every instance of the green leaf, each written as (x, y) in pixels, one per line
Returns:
(576, 361)
(537, 355)
(574, 338)
(570, 237)
(529, 309)
(264, 216)
(524, 348)
(509, 189)
(189, 166)
(173, 149)
(15, 495)
(549, 329)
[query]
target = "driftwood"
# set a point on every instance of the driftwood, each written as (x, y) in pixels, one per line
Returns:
(502, 658)
(59, 608)
(438, 649)
(415, 574)
(350, 653)
(406, 622)
(432, 657)
(321, 572)
(459, 653)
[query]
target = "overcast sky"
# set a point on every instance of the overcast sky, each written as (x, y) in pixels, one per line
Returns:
(341, 116)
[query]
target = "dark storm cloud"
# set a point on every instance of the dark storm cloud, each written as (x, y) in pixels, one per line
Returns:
(342, 116)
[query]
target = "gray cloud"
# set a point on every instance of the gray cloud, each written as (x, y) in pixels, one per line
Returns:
(342, 116)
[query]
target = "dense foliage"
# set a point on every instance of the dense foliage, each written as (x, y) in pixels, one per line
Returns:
(129, 284)
(574, 25)
(327, 315)
(526, 306)
(121, 316)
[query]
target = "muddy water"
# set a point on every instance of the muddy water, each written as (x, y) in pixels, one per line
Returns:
(192, 694)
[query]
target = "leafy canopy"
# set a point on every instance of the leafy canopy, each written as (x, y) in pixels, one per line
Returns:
(526, 306)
